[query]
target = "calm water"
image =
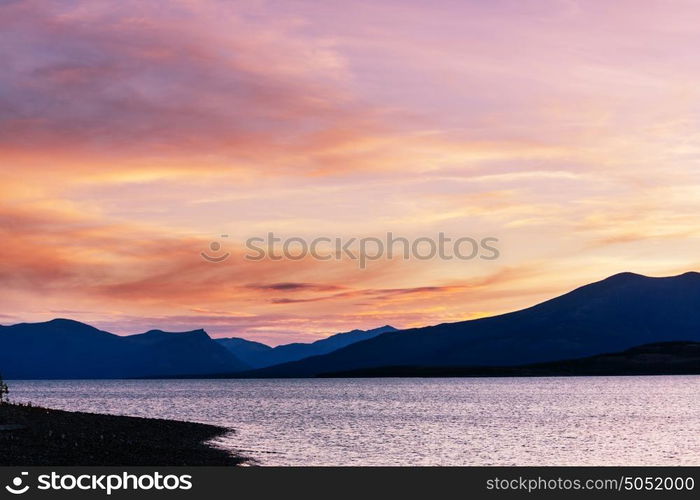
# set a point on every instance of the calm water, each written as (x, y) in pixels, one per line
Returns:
(542, 421)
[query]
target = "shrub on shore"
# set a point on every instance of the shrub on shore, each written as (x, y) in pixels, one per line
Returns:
(4, 391)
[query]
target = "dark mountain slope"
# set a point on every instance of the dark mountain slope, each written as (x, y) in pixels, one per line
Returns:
(617, 313)
(260, 357)
(252, 353)
(665, 358)
(194, 350)
(68, 349)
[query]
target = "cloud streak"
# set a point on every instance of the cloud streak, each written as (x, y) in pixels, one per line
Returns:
(132, 134)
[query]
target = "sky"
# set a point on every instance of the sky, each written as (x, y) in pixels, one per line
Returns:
(135, 133)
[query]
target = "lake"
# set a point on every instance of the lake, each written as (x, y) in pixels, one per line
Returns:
(456, 421)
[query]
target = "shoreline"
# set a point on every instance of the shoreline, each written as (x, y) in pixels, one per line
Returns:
(37, 436)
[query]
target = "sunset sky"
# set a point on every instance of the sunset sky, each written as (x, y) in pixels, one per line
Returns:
(134, 133)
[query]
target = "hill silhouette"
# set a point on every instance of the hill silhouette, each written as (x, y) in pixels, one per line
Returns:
(67, 349)
(620, 312)
(259, 355)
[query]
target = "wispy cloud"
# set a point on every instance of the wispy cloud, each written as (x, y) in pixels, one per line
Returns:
(134, 133)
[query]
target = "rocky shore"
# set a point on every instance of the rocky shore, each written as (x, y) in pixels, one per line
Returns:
(34, 436)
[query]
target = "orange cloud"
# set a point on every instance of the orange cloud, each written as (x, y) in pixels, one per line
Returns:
(133, 133)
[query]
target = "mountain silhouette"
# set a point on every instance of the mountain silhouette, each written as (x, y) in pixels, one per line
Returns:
(67, 349)
(663, 358)
(613, 315)
(260, 355)
(250, 352)
(620, 312)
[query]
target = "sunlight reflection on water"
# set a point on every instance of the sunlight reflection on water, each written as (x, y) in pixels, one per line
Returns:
(482, 421)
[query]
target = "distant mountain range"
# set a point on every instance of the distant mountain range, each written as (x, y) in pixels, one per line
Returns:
(259, 355)
(66, 349)
(610, 316)
(255, 354)
(620, 312)
(664, 358)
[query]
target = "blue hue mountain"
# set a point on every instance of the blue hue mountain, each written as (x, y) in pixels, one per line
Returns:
(662, 358)
(260, 355)
(66, 349)
(620, 312)
(248, 351)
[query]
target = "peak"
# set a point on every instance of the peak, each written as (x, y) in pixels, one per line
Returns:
(162, 333)
(626, 276)
(62, 325)
(382, 329)
(68, 323)
(629, 280)
(155, 332)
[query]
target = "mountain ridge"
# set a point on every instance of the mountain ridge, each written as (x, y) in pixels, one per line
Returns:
(63, 348)
(255, 353)
(619, 312)
(663, 358)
